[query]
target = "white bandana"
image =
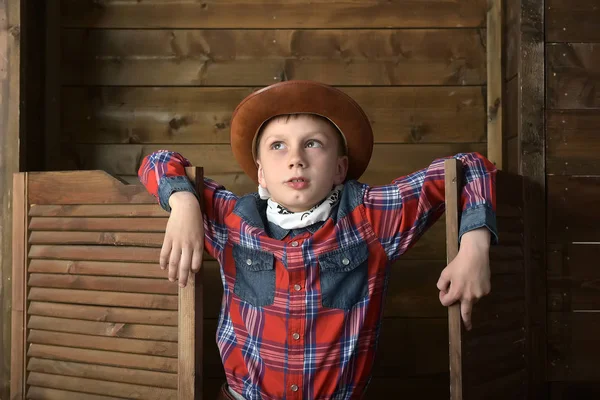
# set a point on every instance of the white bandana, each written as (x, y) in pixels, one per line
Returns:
(286, 219)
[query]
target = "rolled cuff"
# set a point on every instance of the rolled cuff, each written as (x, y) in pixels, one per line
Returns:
(172, 184)
(477, 217)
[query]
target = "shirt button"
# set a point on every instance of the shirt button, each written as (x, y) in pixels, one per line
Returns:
(345, 261)
(296, 336)
(249, 261)
(294, 243)
(297, 287)
(294, 388)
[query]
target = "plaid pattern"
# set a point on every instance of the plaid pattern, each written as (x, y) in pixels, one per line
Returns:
(295, 348)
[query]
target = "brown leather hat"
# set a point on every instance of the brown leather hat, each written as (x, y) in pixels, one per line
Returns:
(301, 97)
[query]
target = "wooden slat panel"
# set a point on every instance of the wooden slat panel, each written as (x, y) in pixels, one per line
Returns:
(573, 142)
(100, 238)
(574, 390)
(100, 253)
(123, 210)
(143, 270)
(262, 57)
(203, 115)
(85, 385)
(145, 225)
(573, 277)
(91, 297)
(573, 72)
(154, 363)
(103, 314)
(512, 18)
(511, 386)
(83, 187)
(113, 374)
(573, 346)
(573, 212)
(147, 347)
(426, 387)
(115, 284)
(41, 393)
(123, 330)
(389, 161)
(272, 14)
(572, 21)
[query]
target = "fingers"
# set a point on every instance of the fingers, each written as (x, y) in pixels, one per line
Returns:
(184, 266)
(174, 262)
(197, 259)
(165, 251)
(444, 282)
(449, 298)
(466, 308)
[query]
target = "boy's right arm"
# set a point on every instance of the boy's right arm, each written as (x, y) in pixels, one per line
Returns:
(163, 174)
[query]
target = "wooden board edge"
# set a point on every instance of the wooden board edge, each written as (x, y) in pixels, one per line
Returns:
(494, 82)
(452, 174)
(19, 290)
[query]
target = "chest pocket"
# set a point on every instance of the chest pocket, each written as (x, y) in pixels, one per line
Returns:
(344, 276)
(255, 276)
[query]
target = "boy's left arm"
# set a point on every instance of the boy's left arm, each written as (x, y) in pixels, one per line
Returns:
(404, 210)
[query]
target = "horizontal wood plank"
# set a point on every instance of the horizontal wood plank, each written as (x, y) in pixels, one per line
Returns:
(95, 386)
(102, 283)
(84, 187)
(433, 386)
(92, 297)
(95, 253)
(109, 329)
(112, 374)
(142, 270)
(147, 347)
(573, 76)
(261, 57)
(573, 142)
(103, 314)
(84, 210)
(110, 358)
(389, 161)
(43, 393)
(573, 277)
(145, 115)
(574, 390)
(572, 21)
(572, 209)
(573, 346)
(145, 225)
(271, 14)
(99, 238)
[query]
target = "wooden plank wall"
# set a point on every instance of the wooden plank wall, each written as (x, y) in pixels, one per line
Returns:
(141, 76)
(573, 177)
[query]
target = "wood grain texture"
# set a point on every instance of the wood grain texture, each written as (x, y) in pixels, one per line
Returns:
(142, 270)
(42, 393)
(272, 14)
(93, 253)
(572, 21)
(143, 115)
(574, 390)
(103, 283)
(494, 82)
(263, 57)
(110, 358)
(104, 228)
(103, 314)
(106, 210)
(573, 277)
(94, 386)
(572, 210)
(573, 142)
(573, 75)
(111, 374)
(573, 347)
(91, 297)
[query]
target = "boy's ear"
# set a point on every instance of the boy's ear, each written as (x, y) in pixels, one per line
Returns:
(261, 175)
(342, 170)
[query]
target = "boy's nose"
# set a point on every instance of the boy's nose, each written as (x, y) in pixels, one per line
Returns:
(297, 159)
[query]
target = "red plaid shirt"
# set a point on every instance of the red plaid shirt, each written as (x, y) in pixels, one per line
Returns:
(302, 309)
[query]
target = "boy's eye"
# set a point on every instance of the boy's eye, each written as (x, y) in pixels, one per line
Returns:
(313, 143)
(276, 146)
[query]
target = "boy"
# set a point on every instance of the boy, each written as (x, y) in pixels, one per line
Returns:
(304, 261)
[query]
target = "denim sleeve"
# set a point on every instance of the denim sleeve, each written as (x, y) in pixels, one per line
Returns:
(476, 217)
(172, 184)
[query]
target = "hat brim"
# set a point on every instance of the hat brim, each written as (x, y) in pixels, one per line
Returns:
(301, 97)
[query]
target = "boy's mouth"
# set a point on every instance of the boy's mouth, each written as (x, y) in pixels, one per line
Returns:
(297, 183)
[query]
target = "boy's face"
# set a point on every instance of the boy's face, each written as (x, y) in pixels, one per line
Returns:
(299, 161)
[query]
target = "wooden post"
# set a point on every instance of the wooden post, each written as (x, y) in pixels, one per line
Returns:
(494, 82)
(10, 38)
(189, 385)
(453, 173)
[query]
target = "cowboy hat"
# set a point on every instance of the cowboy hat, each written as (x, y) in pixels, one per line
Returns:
(301, 97)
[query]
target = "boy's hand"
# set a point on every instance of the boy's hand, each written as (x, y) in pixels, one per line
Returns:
(467, 277)
(183, 245)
